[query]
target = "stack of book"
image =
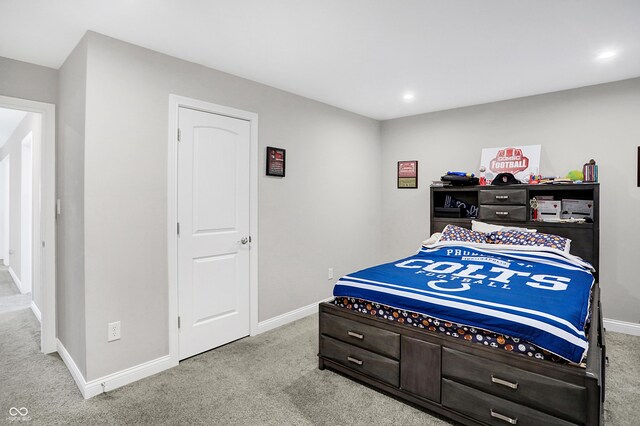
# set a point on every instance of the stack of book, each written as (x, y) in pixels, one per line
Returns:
(590, 172)
(555, 180)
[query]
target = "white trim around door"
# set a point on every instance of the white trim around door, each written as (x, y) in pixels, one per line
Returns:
(5, 169)
(176, 102)
(44, 266)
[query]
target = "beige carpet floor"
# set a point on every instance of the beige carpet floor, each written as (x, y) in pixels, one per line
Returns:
(271, 379)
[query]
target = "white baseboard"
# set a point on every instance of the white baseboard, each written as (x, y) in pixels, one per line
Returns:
(15, 278)
(71, 365)
(36, 311)
(124, 377)
(115, 380)
(292, 316)
(621, 326)
(130, 375)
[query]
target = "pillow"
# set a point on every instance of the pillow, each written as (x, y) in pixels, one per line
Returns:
(456, 233)
(432, 239)
(537, 239)
(487, 227)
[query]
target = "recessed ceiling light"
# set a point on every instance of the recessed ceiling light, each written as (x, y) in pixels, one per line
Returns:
(606, 54)
(408, 97)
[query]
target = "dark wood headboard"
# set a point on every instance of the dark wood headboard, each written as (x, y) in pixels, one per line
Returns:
(509, 205)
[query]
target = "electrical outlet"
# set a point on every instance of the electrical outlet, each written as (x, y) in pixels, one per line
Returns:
(113, 331)
(330, 274)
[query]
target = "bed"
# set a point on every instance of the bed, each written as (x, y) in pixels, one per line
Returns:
(499, 327)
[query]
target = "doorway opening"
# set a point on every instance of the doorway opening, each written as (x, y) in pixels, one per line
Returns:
(17, 142)
(27, 215)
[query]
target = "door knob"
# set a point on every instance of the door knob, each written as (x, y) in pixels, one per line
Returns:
(244, 240)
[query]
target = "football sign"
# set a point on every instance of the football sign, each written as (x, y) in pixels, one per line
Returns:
(521, 161)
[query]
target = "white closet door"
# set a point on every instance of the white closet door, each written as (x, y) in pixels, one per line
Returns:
(213, 216)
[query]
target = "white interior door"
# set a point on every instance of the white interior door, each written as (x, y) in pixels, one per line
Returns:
(26, 214)
(213, 240)
(4, 210)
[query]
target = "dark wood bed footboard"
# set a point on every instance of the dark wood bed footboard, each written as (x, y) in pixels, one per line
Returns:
(466, 382)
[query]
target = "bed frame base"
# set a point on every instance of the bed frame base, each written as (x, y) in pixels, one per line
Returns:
(461, 380)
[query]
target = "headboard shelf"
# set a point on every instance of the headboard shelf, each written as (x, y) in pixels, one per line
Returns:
(510, 205)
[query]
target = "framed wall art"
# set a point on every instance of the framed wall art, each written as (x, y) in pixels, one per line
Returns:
(276, 161)
(407, 174)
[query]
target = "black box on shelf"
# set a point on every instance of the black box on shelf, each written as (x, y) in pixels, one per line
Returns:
(450, 212)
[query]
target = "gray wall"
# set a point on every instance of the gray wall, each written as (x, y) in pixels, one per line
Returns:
(28, 81)
(13, 147)
(70, 253)
(324, 213)
(600, 122)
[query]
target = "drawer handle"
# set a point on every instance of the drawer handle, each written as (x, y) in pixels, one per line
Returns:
(502, 197)
(354, 360)
(504, 382)
(502, 213)
(504, 418)
(356, 335)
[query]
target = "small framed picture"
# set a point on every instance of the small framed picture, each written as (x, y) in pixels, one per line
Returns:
(276, 161)
(407, 174)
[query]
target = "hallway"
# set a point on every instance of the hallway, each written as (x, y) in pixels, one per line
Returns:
(10, 297)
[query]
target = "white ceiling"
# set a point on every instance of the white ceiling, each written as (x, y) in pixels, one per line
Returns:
(360, 55)
(9, 120)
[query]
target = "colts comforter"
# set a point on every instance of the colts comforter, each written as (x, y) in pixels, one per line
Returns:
(539, 296)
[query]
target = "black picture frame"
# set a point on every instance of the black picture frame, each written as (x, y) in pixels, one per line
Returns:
(638, 166)
(408, 174)
(276, 161)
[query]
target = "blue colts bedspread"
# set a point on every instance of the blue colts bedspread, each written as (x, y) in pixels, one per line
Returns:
(539, 296)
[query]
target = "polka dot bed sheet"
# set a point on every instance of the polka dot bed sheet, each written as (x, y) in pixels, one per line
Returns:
(471, 334)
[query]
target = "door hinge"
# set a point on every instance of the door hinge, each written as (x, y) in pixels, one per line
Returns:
(179, 134)
(178, 228)
(178, 322)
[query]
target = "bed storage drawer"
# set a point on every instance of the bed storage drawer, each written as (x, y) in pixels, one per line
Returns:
(503, 213)
(502, 196)
(492, 410)
(553, 396)
(384, 342)
(373, 365)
